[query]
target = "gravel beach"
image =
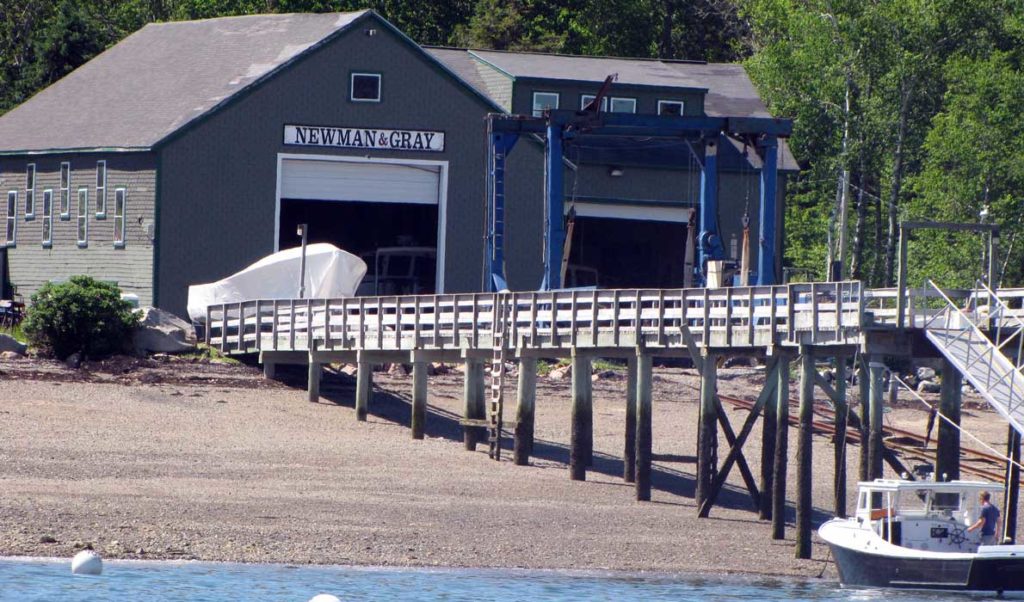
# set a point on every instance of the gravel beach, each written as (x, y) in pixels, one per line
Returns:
(176, 459)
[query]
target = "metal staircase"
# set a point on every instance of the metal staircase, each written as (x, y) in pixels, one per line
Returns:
(495, 408)
(985, 360)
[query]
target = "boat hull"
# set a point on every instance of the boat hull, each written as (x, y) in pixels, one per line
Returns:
(986, 574)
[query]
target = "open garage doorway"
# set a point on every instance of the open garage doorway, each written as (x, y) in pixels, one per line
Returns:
(627, 252)
(390, 213)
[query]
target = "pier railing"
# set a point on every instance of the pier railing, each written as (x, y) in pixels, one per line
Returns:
(925, 303)
(758, 316)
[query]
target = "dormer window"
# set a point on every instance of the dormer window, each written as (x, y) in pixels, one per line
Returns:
(670, 107)
(542, 101)
(365, 87)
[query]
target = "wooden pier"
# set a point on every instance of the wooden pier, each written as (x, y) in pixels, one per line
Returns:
(800, 324)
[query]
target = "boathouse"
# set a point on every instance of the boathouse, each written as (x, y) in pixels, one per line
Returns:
(191, 149)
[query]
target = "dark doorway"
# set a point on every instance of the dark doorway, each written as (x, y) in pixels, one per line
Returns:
(629, 253)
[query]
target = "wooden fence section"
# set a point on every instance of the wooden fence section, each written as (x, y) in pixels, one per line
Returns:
(738, 317)
(923, 304)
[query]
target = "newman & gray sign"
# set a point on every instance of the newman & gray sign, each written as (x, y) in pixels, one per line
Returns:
(342, 137)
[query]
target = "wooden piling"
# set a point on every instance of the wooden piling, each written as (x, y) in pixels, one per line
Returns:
(1012, 493)
(864, 398)
(526, 400)
(876, 404)
(781, 450)
(419, 398)
(313, 388)
(768, 435)
(269, 370)
(643, 426)
(804, 454)
(707, 432)
(842, 410)
(472, 401)
(629, 450)
(581, 438)
(364, 386)
(947, 440)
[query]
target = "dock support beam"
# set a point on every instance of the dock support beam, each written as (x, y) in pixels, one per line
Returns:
(768, 435)
(364, 386)
(804, 459)
(555, 214)
(707, 434)
(629, 452)
(864, 396)
(876, 403)
(947, 441)
(781, 450)
(643, 426)
(581, 446)
(842, 410)
(419, 397)
(473, 404)
(269, 370)
(313, 388)
(1012, 495)
(526, 401)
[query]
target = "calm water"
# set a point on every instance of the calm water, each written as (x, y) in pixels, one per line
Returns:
(51, 580)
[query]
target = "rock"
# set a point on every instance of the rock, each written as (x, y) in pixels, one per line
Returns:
(149, 378)
(927, 386)
(603, 375)
(400, 369)
(10, 355)
(925, 373)
(9, 343)
(162, 332)
(349, 369)
(74, 361)
(439, 368)
(560, 372)
(47, 539)
(828, 375)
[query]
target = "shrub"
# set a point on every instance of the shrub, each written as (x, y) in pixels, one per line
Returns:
(81, 315)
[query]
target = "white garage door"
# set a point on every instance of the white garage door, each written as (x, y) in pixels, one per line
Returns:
(647, 212)
(320, 180)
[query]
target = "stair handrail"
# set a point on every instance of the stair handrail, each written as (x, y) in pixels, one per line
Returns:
(1004, 311)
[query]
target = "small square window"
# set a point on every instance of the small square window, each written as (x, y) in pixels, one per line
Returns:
(623, 105)
(670, 107)
(366, 87)
(542, 101)
(589, 98)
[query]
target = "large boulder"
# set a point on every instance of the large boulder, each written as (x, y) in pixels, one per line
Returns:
(162, 332)
(9, 343)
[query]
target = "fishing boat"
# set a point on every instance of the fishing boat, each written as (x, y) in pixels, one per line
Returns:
(913, 535)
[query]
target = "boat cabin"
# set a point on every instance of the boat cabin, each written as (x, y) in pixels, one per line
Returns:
(923, 515)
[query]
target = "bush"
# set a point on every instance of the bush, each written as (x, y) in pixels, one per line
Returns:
(81, 315)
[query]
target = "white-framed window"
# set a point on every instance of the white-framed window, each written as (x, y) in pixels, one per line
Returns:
(365, 87)
(101, 189)
(12, 218)
(671, 107)
(83, 217)
(586, 99)
(120, 203)
(65, 191)
(48, 218)
(30, 191)
(543, 101)
(622, 105)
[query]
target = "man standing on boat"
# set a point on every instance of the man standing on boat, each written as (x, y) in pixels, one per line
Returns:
(988, 520)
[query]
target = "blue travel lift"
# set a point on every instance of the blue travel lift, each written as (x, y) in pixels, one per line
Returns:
(611, 133)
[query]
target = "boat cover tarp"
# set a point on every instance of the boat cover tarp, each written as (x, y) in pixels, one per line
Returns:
(330, 273)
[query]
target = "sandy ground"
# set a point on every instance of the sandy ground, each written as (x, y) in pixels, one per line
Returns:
(173, 459)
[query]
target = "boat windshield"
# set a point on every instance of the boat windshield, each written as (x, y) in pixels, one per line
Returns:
(945, 501)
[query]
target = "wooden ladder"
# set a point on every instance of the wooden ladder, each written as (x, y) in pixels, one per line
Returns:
(495, 409)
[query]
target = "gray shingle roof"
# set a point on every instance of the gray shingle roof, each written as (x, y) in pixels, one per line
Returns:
(464, 66)
(160, 78)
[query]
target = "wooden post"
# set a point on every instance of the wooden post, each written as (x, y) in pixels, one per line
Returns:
(877, 395)
(269, 370)
(629, 450)
(581, 438)
(707, 433)
(804, 507)
(472, 401)
(525, 405)
(768, 435)
(419, 397)
(643, 426)
(364, 386)
(864, 393)
(781, 451)
(947, 440)
(842, 409)
(1012, 494)
(313, 387)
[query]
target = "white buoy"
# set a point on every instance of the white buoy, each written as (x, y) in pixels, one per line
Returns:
(86, 562)
(325, 598)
